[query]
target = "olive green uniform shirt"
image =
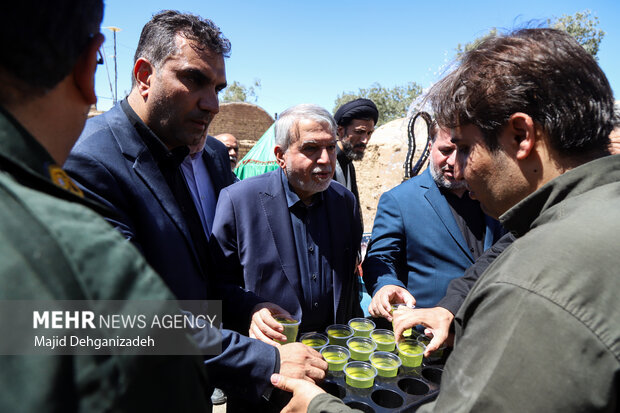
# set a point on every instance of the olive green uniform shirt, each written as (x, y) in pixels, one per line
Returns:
(540, 330)
(53, 247)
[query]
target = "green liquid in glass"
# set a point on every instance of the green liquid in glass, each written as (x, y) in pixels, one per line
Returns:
(338, 336)
(360, 377)
(290, 329)
(385, 342)
(410, 354)
(314, 342)
(359, 350)
(335, 360)
(385, 367)
(361, 328)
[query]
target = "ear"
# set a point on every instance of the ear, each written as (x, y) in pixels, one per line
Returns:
(143, 71)
(279, 153)
(521, 132)
(340, 131)
(85, 67)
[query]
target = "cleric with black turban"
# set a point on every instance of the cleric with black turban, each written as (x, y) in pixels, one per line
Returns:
(356, 122)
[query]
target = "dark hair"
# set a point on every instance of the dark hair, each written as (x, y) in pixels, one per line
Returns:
(433, 130)
(40, 41)
(542, 72)
(616, 120)
(157, 40)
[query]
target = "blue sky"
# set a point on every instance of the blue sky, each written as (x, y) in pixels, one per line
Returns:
(311, 51)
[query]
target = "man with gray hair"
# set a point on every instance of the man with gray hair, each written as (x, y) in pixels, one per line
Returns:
(292, 235)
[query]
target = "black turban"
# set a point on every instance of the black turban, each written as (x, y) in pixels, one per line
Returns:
(356, 109)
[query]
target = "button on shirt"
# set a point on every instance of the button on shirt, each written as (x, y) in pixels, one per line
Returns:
(312, 242)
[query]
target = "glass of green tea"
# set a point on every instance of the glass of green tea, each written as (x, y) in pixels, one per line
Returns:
(361, 348)
(315, 340)
(361, 326)
(409, 331)
(410, 352)
(426, 340)
(386, 363)
(360, 374)
(291, 327)
(335, 356)
(384, 338)
(339, 334)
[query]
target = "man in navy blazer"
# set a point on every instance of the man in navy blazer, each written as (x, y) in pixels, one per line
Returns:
(150, 160)
(427, 231)
(292, 235)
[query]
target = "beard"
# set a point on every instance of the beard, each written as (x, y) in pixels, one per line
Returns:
(442, 181)
(310, 186)
(349, 150)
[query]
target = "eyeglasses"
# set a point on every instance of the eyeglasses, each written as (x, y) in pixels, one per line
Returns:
(91, 36)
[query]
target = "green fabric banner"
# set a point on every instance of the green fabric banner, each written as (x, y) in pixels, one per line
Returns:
(260, 158)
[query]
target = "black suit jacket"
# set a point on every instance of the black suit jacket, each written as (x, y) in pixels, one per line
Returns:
(254, 244)
(112, 164)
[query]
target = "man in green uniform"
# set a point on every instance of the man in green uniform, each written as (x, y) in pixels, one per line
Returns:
(531, 114)
(53, 246)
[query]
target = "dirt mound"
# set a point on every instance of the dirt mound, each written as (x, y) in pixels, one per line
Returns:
(382, 167)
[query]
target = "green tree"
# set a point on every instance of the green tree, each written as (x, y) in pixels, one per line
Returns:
(581, 25)
(464, 48)
(237, 92)
(391, 103)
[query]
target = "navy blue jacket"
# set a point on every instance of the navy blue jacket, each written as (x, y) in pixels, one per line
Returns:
(112, 165)
(253, 244)
(416, 242)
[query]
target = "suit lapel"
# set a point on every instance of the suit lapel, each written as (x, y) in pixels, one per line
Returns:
(149, 172)
(440, 206)
(273, 202)
(133, 146)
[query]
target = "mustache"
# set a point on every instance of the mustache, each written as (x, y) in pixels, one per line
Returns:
(360, 145)
(202, 117)
(319, 170)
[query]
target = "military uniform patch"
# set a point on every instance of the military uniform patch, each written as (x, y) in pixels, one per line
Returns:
(61, 179)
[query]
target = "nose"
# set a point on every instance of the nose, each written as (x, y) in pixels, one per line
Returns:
(324, 157)
(451, 161)
(458, 166)
(209, 102)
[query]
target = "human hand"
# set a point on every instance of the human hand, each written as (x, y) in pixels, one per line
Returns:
(302, 362)
(437, 321)
(303, 392)
(264, 327)
(381, 304)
